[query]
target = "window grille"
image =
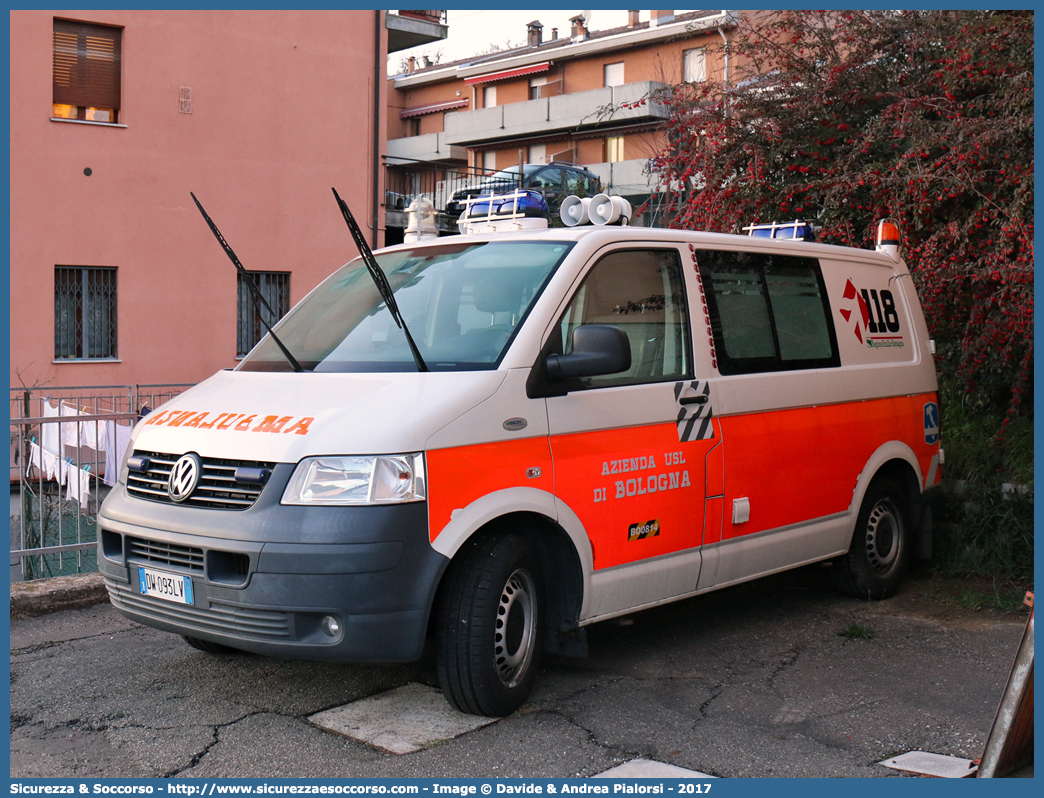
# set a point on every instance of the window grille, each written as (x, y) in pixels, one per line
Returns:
(275, 288)
(84, 313)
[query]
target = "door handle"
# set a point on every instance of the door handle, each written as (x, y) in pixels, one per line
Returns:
(701, 399)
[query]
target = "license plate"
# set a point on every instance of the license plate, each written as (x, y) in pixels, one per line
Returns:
(169, 587)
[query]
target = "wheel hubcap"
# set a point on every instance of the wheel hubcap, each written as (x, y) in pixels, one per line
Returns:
(515, 635)
(884, 538)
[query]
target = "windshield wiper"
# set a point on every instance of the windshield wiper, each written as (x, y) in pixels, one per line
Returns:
(379, 279)
(255, 294)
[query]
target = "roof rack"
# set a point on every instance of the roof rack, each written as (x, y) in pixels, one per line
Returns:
(796, 230)
(516, 210)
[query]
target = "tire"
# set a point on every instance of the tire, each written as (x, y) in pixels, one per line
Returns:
(880, 552)
(487, 637)
(210, 648)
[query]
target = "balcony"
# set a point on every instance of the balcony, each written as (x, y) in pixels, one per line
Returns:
(547, 115)
(408, 29)
(429, 147)
(626, 178)
(405, 179)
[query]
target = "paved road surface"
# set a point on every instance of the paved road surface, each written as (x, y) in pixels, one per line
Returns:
(754, 681)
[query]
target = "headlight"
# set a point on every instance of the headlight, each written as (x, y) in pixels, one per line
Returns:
(371, 479)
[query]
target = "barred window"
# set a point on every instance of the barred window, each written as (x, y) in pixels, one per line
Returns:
(84, 312)
(86, 71)
(275, 288)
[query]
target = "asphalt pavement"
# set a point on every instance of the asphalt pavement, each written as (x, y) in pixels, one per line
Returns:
(782, 677)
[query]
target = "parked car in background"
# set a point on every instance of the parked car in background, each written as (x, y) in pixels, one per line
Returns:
(555, 181)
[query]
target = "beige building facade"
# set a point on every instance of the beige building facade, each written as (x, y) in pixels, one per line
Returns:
(579, 96)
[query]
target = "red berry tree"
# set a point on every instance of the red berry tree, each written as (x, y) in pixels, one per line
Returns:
(849, 117)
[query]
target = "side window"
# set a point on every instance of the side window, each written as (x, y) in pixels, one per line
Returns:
(578, 183)
(641, 292)
(547, 179)
(768, 312)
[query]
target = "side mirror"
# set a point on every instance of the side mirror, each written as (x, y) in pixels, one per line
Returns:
(597, 349)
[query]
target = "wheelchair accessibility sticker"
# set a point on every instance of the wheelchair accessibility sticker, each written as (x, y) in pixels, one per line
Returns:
(931, 423)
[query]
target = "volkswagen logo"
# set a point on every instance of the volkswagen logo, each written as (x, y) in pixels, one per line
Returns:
(184, 477)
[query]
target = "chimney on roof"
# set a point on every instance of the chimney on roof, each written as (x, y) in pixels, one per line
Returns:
(554, 33)
(535, 33)
(632, 19)
(579, 30)
(658, 18)
(425, 61)
(411, 65)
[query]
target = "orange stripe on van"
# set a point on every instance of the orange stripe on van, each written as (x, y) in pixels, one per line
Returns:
(796, 465)
(638, 491)
(460, 475)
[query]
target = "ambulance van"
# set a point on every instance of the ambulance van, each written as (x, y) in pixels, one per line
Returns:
(553, 428)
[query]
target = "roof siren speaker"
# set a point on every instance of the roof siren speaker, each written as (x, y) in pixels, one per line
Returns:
(609, 210)
(575, 210)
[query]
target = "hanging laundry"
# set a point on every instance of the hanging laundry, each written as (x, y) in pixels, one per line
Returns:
(49, 437)
(70, 433)
(92, 433)
(58, 468)
(78, 485)
(35, 459)
(50, 463)
(117, 439)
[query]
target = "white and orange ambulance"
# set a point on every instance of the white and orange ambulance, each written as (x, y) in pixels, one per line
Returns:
(586, 421)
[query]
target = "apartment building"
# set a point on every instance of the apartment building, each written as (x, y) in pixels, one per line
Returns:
(581, 96)
(115, 278)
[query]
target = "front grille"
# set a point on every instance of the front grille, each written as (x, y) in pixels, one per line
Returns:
(157, 552)
(219, 616)
(217, 488)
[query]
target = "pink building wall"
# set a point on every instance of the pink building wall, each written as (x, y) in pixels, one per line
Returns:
(282, 109)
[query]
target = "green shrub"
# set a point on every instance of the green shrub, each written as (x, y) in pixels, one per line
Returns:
(986, 525)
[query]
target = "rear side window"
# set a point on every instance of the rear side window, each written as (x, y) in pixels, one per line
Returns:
(768, 312)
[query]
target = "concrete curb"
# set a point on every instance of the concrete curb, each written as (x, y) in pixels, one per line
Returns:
(41, 596)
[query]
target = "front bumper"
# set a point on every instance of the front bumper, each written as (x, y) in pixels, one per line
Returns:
(264, 578)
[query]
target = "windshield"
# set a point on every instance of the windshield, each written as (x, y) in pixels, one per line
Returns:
(461, 302)
(511, 173)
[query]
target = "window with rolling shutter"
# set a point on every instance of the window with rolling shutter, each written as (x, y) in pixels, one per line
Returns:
(86, 69)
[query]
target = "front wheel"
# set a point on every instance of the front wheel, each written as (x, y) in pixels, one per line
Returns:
(880, 552)
(487, 643)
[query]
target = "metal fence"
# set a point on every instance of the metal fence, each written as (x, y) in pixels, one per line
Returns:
(406, 178)
(66, 448)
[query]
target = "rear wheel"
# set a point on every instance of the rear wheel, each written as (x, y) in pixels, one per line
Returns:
(487, 641)
(880, 553)
(210, 648)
